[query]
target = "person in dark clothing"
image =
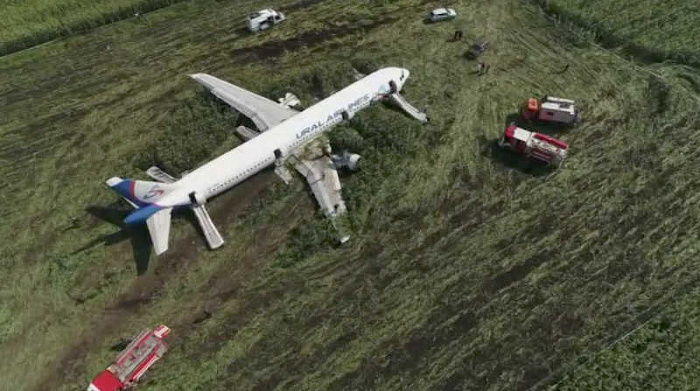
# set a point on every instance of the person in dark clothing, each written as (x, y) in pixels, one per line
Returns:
(458, 35)
(482, 68)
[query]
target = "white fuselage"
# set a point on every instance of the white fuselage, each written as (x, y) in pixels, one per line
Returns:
(258, 153)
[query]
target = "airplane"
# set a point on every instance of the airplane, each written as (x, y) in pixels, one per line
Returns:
(284, 137)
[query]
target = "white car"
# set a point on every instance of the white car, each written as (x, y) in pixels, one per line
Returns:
(264, 19)
(440, 14)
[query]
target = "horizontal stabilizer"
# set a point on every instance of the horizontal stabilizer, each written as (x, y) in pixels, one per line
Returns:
(160, 175)
(141, 214)
(159, 229)
(211, 234)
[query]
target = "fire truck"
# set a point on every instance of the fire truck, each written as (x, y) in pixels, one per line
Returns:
(534, 145)
(550, 109)
(126, 370)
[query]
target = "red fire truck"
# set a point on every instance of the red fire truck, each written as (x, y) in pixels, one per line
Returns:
(132, 362)
(535, 145)
(550, 109)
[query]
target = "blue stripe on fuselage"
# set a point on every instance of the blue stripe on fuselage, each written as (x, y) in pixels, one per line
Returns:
(140, 215)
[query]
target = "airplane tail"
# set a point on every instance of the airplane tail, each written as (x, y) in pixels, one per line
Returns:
(211, 234)
(139, 193)
(144, 195)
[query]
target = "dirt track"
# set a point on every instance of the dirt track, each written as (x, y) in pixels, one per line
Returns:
(147, 287)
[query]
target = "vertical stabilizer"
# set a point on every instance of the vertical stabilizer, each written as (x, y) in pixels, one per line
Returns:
(139, 193)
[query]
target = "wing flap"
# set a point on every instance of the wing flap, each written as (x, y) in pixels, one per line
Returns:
(160, 175)
(324, 183)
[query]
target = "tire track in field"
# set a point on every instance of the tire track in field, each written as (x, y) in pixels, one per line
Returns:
(145, 291)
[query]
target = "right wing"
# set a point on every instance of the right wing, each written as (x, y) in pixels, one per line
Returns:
(325, 184)
(322, 176)
(262, 111)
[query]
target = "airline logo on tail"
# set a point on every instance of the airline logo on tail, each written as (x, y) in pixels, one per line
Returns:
(141, 194)
(154, 192)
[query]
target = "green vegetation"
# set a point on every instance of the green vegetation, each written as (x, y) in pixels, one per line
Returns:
(653, 30)
(26, 23)
(469, 268)
(662, 355)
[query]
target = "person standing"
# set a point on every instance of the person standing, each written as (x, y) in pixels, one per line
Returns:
(482, 68)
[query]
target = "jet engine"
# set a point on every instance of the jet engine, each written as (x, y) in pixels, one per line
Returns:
(197, 199)
(346, 160)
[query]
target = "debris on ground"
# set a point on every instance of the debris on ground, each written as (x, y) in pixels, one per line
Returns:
(477, 49)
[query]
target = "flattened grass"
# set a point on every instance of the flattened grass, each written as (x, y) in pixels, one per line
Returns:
(468, 268)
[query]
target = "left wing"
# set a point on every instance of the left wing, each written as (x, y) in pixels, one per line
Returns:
(264, 112)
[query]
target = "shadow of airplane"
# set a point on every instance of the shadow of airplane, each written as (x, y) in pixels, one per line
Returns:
(138, 235)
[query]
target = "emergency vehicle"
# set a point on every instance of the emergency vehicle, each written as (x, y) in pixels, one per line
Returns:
(534, 145)
(550, 109)
(126, 370)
